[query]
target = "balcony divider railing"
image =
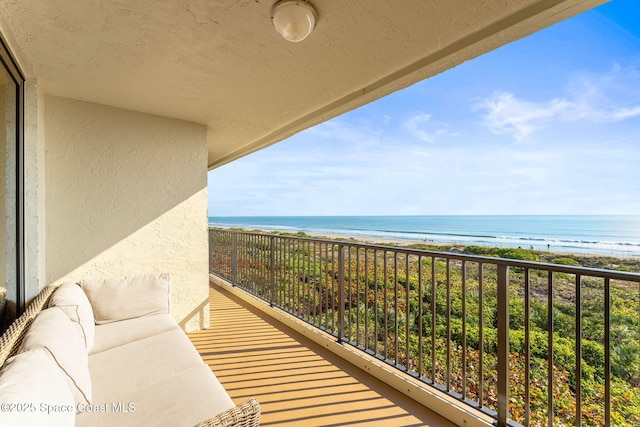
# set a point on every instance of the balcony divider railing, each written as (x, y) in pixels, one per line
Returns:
(525, 342)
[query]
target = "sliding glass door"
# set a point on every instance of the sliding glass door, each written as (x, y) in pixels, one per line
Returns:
(11, 194)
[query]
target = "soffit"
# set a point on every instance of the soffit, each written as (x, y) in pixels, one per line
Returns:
(220, 63)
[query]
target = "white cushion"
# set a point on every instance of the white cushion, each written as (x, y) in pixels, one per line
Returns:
(53, 330)
(121, 298)
(122, 370)
(34, 392)
(182, 399)
(71, 299)
(116, 334)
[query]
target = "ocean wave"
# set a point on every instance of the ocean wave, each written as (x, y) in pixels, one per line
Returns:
(256, 226)
(410, 232)
(538, 243)
(527, 234)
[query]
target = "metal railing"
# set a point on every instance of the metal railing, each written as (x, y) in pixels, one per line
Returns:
(526, 342)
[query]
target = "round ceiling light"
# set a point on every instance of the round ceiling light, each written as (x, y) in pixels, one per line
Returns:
(294, 19)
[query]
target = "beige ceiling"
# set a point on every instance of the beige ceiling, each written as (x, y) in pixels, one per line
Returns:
(221, 63)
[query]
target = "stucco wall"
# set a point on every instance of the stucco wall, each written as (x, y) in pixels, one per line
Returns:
(126, 194)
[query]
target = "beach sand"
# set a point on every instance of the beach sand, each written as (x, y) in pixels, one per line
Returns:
(343, 237)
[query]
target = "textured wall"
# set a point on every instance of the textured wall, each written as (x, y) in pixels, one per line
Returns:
(126, 194)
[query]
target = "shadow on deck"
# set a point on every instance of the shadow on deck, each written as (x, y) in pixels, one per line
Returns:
(296, 381)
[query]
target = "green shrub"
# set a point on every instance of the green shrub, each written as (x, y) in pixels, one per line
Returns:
(477, 250)
(566, 261)
(593, 355)
(520, 254)
(509, 253)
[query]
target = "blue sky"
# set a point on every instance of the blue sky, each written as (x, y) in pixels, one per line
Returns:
(547, 125)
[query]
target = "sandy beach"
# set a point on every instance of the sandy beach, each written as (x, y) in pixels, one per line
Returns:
(338, 236)
(559, 234)
(545, 255)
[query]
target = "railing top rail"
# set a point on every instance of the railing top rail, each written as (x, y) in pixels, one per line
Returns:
(532, 265)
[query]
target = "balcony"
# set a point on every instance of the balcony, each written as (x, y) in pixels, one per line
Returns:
(296, 380)
(409, 316)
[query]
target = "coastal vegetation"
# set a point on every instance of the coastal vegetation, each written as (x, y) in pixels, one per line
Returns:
(437, 317)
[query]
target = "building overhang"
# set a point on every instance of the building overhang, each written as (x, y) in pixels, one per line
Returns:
(221, 63)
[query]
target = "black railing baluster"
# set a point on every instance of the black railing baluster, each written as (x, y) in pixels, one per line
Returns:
(341, 299)
(420, 313)
(480, 336)
(395, 306)
(433, 320)
(503, 345)
(550, 349)
(463, 384)
(527, 350)
(272, 270)
(407, 317)
(448, 311)
(234, 260)
(578, 350)
(607, 352)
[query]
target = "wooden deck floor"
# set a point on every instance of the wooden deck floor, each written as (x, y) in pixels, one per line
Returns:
(296, 381)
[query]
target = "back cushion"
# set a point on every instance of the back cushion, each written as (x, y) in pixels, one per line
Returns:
(34, 392)
(121, 298)
(53, 331)
(70, 298)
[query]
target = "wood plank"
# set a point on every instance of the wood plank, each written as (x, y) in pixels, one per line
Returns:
(296, 381)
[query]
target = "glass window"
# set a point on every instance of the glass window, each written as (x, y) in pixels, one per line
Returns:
(11, 288)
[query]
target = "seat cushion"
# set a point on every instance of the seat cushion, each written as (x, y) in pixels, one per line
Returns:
(71, 299)
(183, 399)
(34, 392)
(119, 371)
(120, 298)
(115, 334)
(54, 331)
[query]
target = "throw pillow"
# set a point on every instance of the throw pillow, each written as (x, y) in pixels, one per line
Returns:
(121, 298)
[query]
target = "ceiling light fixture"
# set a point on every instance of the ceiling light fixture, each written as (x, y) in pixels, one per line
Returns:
(294, 19)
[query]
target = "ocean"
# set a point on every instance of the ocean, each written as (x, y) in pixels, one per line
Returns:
(595, 234)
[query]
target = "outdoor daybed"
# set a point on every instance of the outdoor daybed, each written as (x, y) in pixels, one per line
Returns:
(105, 353)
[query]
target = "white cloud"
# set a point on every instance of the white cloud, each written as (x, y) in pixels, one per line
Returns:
(393, 179)
(336, 129)
(422, 127)
(606, 98)
(504, 113)
(623, 114)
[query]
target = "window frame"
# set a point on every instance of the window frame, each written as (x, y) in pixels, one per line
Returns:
(11, 66)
